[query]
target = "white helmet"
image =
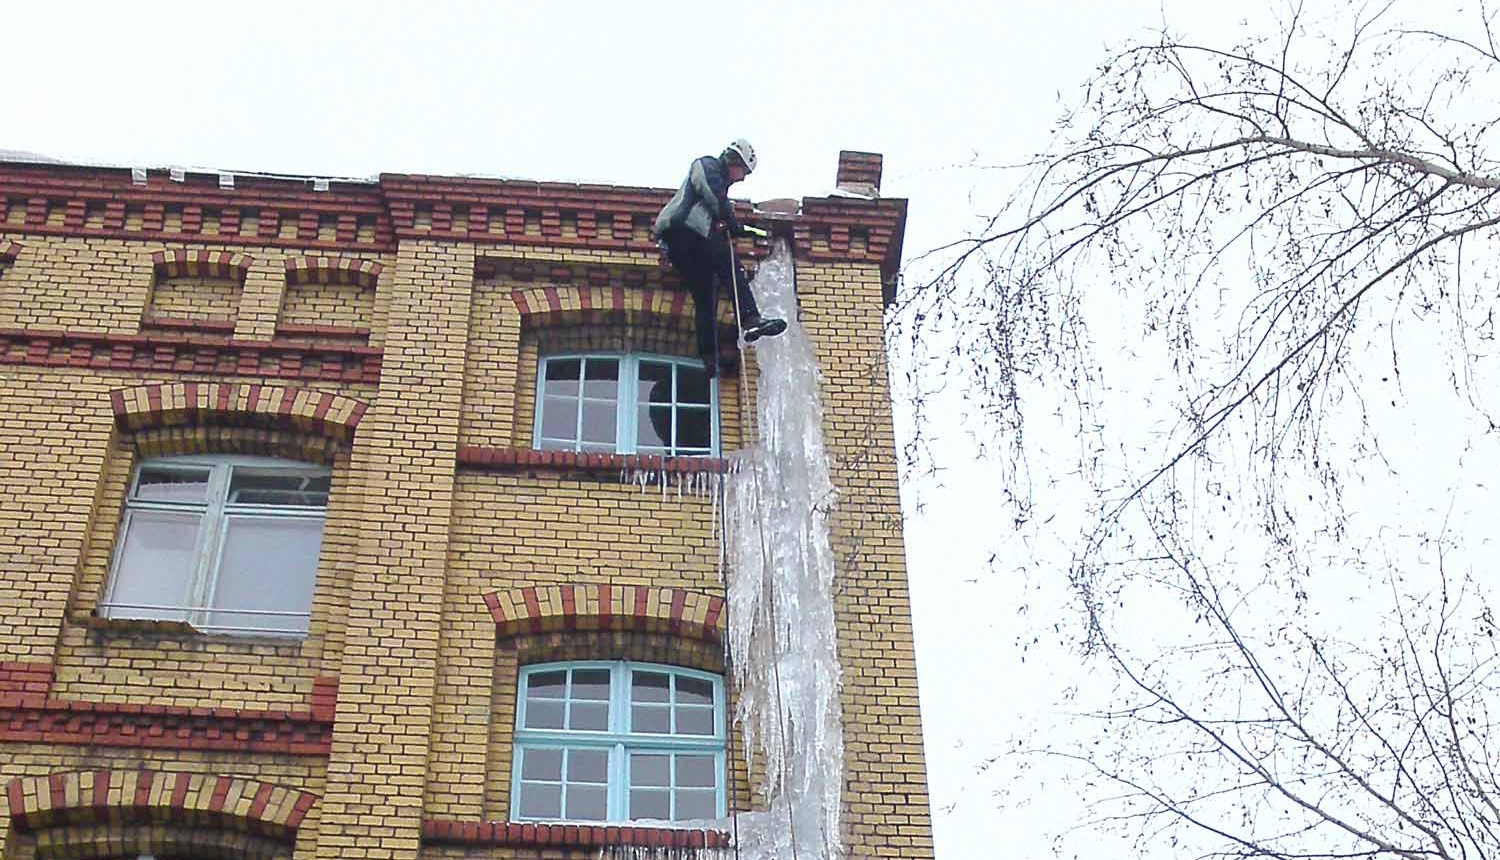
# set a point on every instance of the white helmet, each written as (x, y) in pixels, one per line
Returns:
(745, 151)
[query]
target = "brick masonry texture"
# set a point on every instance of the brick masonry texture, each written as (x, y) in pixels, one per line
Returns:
(393, 331)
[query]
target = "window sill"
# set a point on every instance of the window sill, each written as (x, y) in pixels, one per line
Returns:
(205, 325)
(507, 459)
(590, 836)
(147, 627)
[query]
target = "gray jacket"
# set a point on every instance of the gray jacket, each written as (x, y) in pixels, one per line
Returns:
(702, 200)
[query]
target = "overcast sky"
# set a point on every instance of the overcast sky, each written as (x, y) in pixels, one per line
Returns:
(628, 94)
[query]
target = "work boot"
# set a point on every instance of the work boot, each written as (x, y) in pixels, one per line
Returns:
(766, 327)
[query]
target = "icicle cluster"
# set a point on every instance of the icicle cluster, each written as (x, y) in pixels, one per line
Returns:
(695, 484)
(782, 640)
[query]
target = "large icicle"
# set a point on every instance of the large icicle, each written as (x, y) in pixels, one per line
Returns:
(782, 641)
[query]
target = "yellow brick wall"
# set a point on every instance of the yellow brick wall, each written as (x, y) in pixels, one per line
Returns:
(886, 802)
(403, 457)
(334, 304)
(195, 298)
(412, 541)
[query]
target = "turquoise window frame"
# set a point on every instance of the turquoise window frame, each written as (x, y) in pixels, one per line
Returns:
(627, 413)
(618, 739)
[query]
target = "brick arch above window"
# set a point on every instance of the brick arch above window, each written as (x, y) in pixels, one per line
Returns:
(197, 404)
(198, 263)
(332, 270)
(605, 607)
(103, 797)
(561, 305)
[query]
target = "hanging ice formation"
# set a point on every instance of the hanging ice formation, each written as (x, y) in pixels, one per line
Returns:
(778, 498)
(782, 640)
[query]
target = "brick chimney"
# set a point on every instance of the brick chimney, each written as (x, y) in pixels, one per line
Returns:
(859, 172)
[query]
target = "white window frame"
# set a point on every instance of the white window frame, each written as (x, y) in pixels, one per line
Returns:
(626, 406)
(618, 740)
(207, 553)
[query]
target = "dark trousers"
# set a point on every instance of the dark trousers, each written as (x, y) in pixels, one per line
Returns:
(703, 265)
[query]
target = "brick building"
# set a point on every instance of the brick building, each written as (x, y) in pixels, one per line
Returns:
(315, 542)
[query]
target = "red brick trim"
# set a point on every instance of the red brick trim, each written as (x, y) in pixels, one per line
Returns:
(601, 606)
(440, 831)
(131, 797)
(198, 403)
(63, 723)
(332, 270)
(525, 459)
(170, 352)
(26, 683)
(10, 250)
(198, 263)
(30, 714)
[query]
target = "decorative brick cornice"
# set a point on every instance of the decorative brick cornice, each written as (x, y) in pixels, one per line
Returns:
(198, 263)
(169, 352)
(332, 270)
(643, 608)
(141, 796)
(354, 218)
(10, 250)
(527, 459)
(72, 200)
(29, 714)
(64, 723)
(584, 836)
(246, 404)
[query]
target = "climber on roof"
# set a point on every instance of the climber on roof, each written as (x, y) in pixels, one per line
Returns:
(695, 229)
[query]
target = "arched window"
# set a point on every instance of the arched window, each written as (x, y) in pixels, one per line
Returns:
(617, 741)
(226, 544)
(626, 403)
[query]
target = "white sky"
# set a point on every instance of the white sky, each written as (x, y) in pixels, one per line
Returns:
(628, 94)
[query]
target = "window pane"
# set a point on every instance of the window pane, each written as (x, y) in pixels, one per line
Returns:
(692, 385)
(541, 764)
(546, 685)
(696, 804)
(650, 719)
(247, 487)
(649, 686)
(591, 684)
(267, 564)
(559, 418)
(158, 555)
(653, 426)
(654, 383)
(694, 428)
(695, 721)
(599, 422)
(651, 803)
(588, 766)
(601, 378)
(648, 770)
(157, 484)
(589, 716)
(541, 801)
(562, 376)
(587, 803)
(694, 691)
(544, 714)
(696, 771)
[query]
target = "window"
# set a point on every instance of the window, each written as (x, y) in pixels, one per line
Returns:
(626, 404)
(618, 741)
(227, 544)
